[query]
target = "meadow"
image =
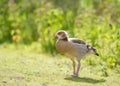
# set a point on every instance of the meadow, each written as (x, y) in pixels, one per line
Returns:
(27, 50)
(24, 67)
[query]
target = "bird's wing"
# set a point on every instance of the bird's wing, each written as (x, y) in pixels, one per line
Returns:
(83, 45)
(76, 40)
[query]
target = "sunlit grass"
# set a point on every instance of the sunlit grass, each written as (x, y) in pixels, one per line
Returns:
(22, 67)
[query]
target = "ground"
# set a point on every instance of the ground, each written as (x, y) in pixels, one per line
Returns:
(19, 67)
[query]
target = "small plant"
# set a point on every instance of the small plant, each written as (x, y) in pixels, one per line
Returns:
(104, 71)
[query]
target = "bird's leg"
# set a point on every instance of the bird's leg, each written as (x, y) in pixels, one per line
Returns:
(78, 68)
(74, 65)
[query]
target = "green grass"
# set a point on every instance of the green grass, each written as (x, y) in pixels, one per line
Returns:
(21, 67)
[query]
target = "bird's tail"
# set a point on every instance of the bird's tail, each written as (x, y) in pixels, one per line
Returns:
(93, 49)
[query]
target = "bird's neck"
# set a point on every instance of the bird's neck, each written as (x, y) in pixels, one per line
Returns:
(65, 39)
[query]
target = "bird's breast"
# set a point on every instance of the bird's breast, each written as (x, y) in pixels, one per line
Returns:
(64, 46)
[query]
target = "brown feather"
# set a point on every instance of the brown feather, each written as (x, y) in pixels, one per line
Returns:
(76, 40)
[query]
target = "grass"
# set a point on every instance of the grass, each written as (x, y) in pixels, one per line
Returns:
(22, 67)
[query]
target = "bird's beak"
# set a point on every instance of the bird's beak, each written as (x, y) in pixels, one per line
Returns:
(55, 38)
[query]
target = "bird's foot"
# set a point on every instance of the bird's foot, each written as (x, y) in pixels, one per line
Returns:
(74, 75)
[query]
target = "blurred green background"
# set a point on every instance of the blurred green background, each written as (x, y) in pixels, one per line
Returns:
(25, 22)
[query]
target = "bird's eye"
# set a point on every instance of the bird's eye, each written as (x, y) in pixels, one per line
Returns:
(59, 33)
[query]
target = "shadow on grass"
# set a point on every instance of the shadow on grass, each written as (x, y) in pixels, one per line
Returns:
(84, 79)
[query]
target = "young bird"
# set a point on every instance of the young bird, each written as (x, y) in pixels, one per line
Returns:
(74, 48)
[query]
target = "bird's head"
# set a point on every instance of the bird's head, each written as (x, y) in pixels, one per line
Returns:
(61, 35)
